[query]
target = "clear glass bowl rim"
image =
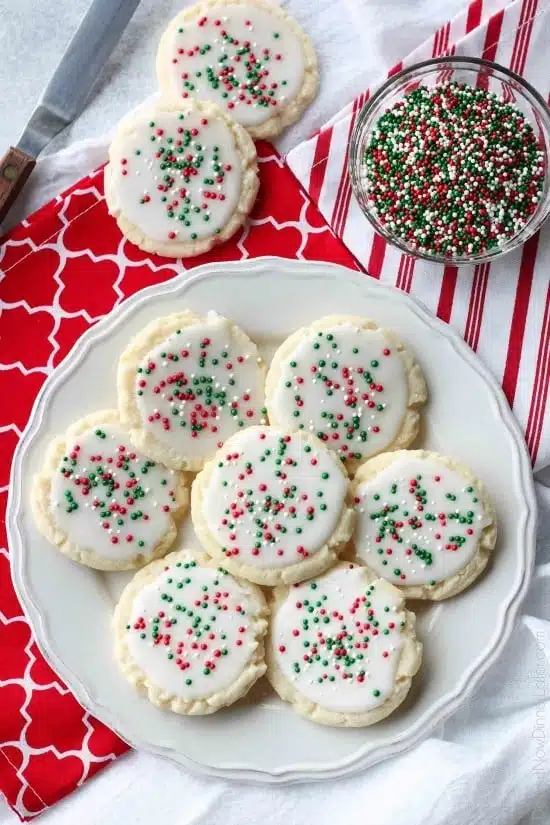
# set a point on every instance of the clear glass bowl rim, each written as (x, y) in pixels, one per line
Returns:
(355, 157)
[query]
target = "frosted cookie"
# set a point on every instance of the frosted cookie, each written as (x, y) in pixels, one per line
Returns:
(186, 383)
(342, 649)
(102, 502)
(273, 507)
(249, 57)
(189, 635)
(424, 522)
(353, 385)
(180, 180)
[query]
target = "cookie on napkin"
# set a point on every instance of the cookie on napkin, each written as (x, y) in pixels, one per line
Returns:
(180, 178)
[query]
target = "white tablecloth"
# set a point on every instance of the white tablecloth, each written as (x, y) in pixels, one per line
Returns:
(489, 764)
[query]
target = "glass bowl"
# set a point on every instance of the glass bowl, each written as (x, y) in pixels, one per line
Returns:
(474, 72)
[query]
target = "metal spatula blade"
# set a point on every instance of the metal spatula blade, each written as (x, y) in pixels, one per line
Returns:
(67, 91)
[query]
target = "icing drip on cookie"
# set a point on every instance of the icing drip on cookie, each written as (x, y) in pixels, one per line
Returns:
(273, 499)
(419, 522)
(200, 386)
(245, 59)
(338, 640)
(109, 498)
(177, 177)
(192, 630)
(346, 385)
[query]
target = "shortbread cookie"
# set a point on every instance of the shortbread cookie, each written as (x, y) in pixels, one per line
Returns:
(273, 507)
(186, 383)
(189, 635)
(353, 385)
(180, 180)
(342, 649)
(102, 502)
(248, 56)
(425, 522)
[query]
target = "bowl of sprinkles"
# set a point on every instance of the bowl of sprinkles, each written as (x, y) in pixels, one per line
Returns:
(449, 160)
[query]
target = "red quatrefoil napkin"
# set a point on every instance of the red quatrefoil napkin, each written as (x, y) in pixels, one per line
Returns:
(61, 271)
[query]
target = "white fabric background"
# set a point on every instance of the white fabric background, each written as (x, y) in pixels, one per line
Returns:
(490, 764)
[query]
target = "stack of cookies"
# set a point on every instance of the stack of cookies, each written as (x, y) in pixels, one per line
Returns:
(182, 176)
(314, 523)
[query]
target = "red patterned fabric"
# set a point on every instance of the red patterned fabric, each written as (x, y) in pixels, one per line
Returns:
(62, 270)
(502, 308)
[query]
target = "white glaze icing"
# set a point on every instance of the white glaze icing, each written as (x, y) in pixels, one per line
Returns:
(100, 489)
(265, 520)
(196, 640)
(329, 639)
(433, 537)
(252, 75)
(235, 378)
(326, 382)
(177, 176)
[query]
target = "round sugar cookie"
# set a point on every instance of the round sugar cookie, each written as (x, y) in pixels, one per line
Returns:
(273, 507)
(186, 383)
(341, 648)
(180, 180)
(249, 57)
(353, 385)
(102, 502)
(189, 635)
(424, 522)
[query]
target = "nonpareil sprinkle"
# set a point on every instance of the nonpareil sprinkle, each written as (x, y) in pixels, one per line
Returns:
(453, 170)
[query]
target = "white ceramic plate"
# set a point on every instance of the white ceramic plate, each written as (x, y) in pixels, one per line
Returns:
(261, 739)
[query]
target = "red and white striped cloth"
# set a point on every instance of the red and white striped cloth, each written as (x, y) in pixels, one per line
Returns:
(501, 309)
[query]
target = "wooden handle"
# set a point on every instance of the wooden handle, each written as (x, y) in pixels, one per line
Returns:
(15, 168)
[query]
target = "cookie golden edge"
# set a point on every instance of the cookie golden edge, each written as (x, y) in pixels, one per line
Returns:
(418, 393)
(254, 669)
(250, 182)
(45, 521)
(454, 585)
(293, 110)
(409, 664)
(317, 563)
(151, 336)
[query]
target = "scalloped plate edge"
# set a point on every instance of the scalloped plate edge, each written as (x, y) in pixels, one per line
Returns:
(448, 704)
